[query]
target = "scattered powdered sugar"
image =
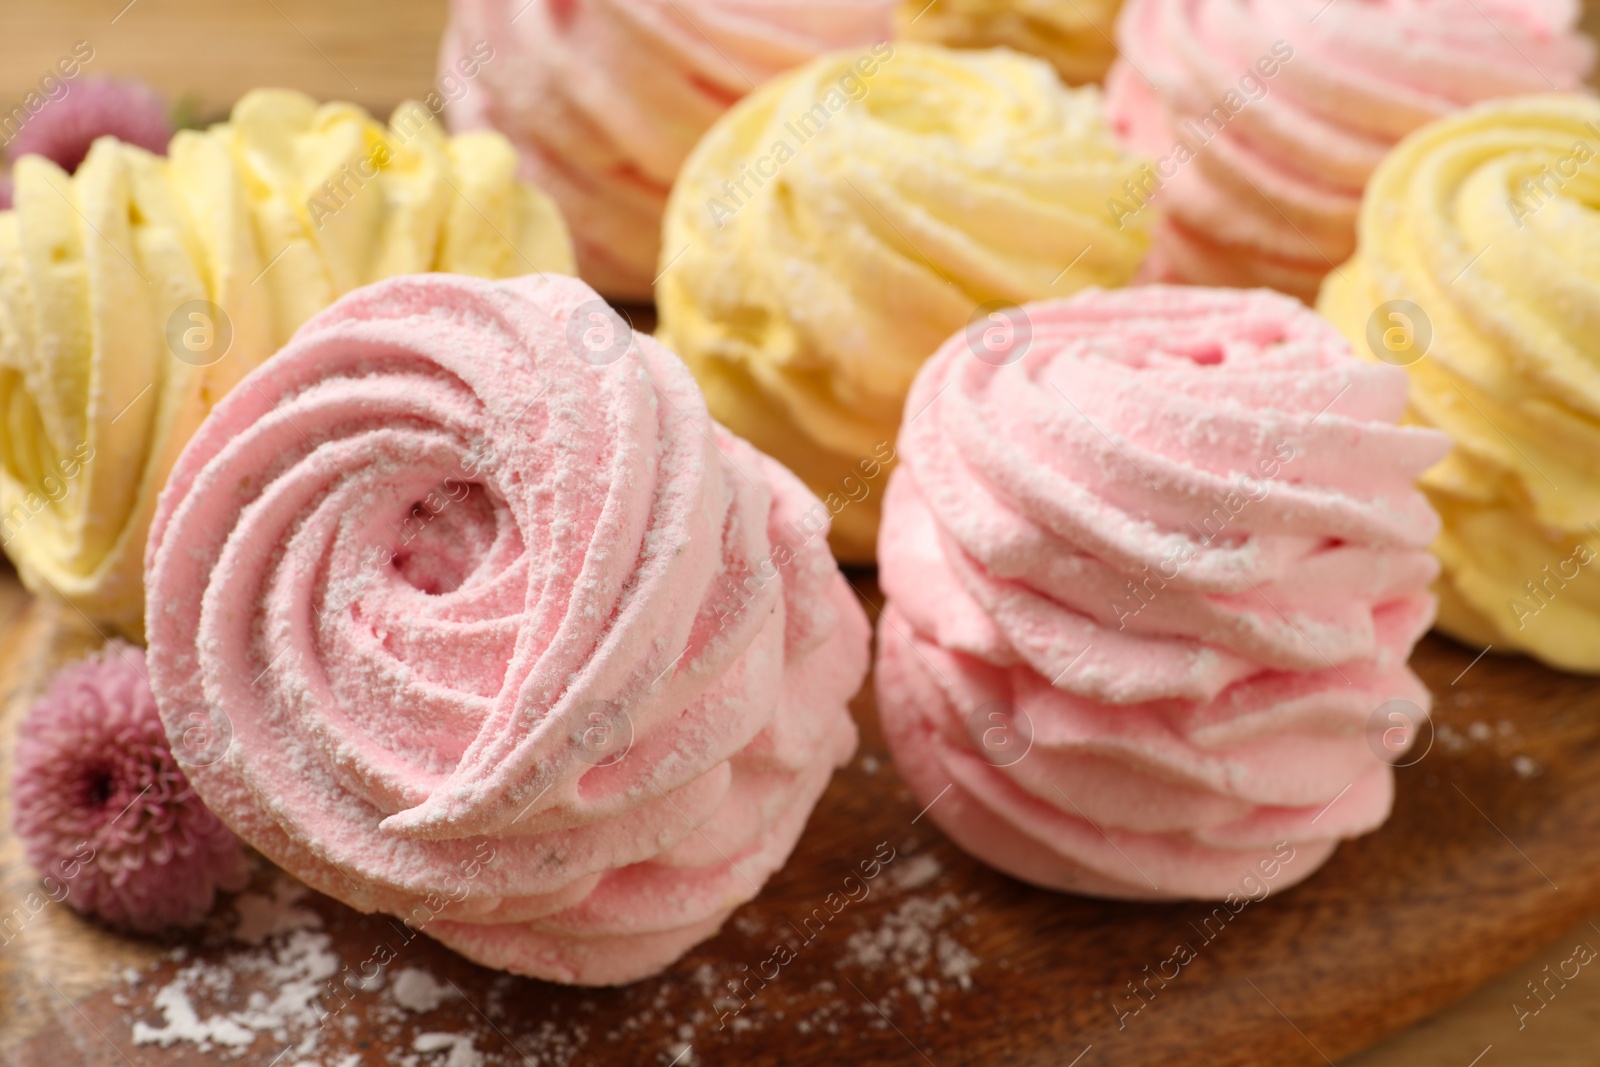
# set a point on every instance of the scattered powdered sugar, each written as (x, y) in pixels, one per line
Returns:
(295, 965)
(1502, 736)
(912, 942)
(748, 925)
(415, 990)
(915, 872)
(459, 1049)
(281, 990)
(261, 915)
(280, 993)
(1451, 739)
(705, 976)
(552, 1045)
(183, 1023)
(955, 962)
(826, 1018)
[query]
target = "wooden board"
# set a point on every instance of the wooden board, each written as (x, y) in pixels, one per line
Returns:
(1493, 851)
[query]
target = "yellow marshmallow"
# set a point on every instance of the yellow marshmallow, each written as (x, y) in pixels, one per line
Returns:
(1074, 36)
(111, 351)
(839, 223)
(1487, 222)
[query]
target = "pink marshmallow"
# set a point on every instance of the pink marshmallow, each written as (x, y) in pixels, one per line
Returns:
(1153, 561)
(512, 640)
(1263, 119)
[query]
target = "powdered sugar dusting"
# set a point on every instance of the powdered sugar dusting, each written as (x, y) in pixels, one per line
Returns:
(295, 965)
(262, 915)
(915, 872)
(912, 942)
(275, 988)
(458, 1049)
(1500, 737)
(284, 984)
(418, 991)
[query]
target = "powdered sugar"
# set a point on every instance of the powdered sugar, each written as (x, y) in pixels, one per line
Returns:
(280, 987)
(418, 991)
(458, 1049)
(1500, 737)
(262, 915)
(182, 1023)
(912, 942)
(914, 873)
(295, 965)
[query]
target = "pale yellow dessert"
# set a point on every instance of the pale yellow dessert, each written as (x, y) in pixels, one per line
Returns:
(842, 221)
(1077, 37)
(1478, 268)
(136, 292)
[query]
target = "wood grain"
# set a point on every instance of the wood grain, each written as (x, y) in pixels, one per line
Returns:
(374, 52)
(1492, 853)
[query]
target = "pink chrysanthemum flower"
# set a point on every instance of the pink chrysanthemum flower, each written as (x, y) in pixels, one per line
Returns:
(64, 129)
(104, 810)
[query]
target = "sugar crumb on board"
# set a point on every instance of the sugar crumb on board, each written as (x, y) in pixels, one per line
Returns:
(278, 987)
(275, 989)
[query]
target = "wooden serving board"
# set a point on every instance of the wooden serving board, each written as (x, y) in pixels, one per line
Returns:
(1493, 850)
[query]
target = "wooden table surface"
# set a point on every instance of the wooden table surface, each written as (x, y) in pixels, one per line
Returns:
(378, 52)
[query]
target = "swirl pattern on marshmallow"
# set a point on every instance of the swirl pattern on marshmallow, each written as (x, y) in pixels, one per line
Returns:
(1074, 36)
(135, 293)
(518, 646)
(1264, 118)
(605, 98)
(1149, 572)
(839, 223)
(1487, 224)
